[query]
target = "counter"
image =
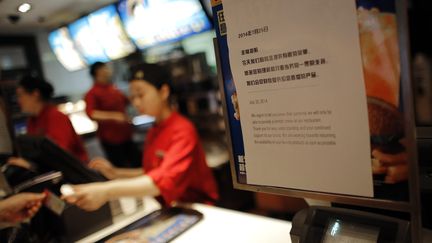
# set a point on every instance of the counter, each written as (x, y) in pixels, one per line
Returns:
(218, 225)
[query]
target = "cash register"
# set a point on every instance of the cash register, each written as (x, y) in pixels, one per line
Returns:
(73, 223)
(56, 167)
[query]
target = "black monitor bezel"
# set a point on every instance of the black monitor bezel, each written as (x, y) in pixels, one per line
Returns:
(48, 156)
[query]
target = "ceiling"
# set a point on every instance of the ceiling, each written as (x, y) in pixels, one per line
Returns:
(45, 14)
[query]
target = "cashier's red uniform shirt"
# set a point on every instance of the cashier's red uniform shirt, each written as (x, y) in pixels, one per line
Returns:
(175, 160)
(106, 97)
(56, 126)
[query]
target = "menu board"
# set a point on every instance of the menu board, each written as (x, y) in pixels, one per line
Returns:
(153, 22)
(65, 51)
(108, 30)
(84, 38)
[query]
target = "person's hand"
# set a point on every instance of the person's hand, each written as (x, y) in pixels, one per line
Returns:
(19, 162)
(394, 166)
(103, 166)
(120, 117)
(19, 207)
(89, 197)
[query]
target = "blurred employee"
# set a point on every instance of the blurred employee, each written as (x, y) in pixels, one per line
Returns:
(107, 105)
(19, 207)
(174, 162)
(45, 119)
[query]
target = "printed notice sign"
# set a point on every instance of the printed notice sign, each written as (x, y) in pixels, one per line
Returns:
(300, 94)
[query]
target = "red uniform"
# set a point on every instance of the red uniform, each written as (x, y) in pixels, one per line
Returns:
(105, 97)
(175, 160)
(55, 125)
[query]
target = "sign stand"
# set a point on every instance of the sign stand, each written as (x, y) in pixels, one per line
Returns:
(412, 206)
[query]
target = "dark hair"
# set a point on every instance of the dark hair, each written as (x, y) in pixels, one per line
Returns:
(154, 74)
(31, 84)
(96, 66)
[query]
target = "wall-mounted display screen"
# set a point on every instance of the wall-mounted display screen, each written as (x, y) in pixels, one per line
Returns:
(151, 22)
(84, 38)
(64, 49)
(107, 28)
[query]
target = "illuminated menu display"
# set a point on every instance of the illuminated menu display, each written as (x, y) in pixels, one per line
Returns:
(153, 22)
(106, 26)
(64, 49)
(84, 38)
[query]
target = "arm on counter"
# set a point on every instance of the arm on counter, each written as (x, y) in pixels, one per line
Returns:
(99, 115)
(108, 116)
(111, 172)
(92, 196)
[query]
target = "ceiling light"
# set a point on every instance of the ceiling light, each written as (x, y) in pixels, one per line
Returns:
(24, 8)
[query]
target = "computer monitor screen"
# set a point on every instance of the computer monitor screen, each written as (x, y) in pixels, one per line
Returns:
(153, 22)
(48, 156)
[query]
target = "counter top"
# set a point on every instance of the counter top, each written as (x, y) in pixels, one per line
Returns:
(218, 225)
(223, 225)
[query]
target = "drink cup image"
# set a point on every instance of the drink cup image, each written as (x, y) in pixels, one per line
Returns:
(381, 68)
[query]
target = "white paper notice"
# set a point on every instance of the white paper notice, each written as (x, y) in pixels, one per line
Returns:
(298, 72)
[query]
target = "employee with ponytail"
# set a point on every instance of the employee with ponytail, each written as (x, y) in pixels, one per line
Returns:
(34, 95)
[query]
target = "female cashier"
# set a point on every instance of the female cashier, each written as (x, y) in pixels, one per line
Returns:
(174, 165)
(33, 96)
